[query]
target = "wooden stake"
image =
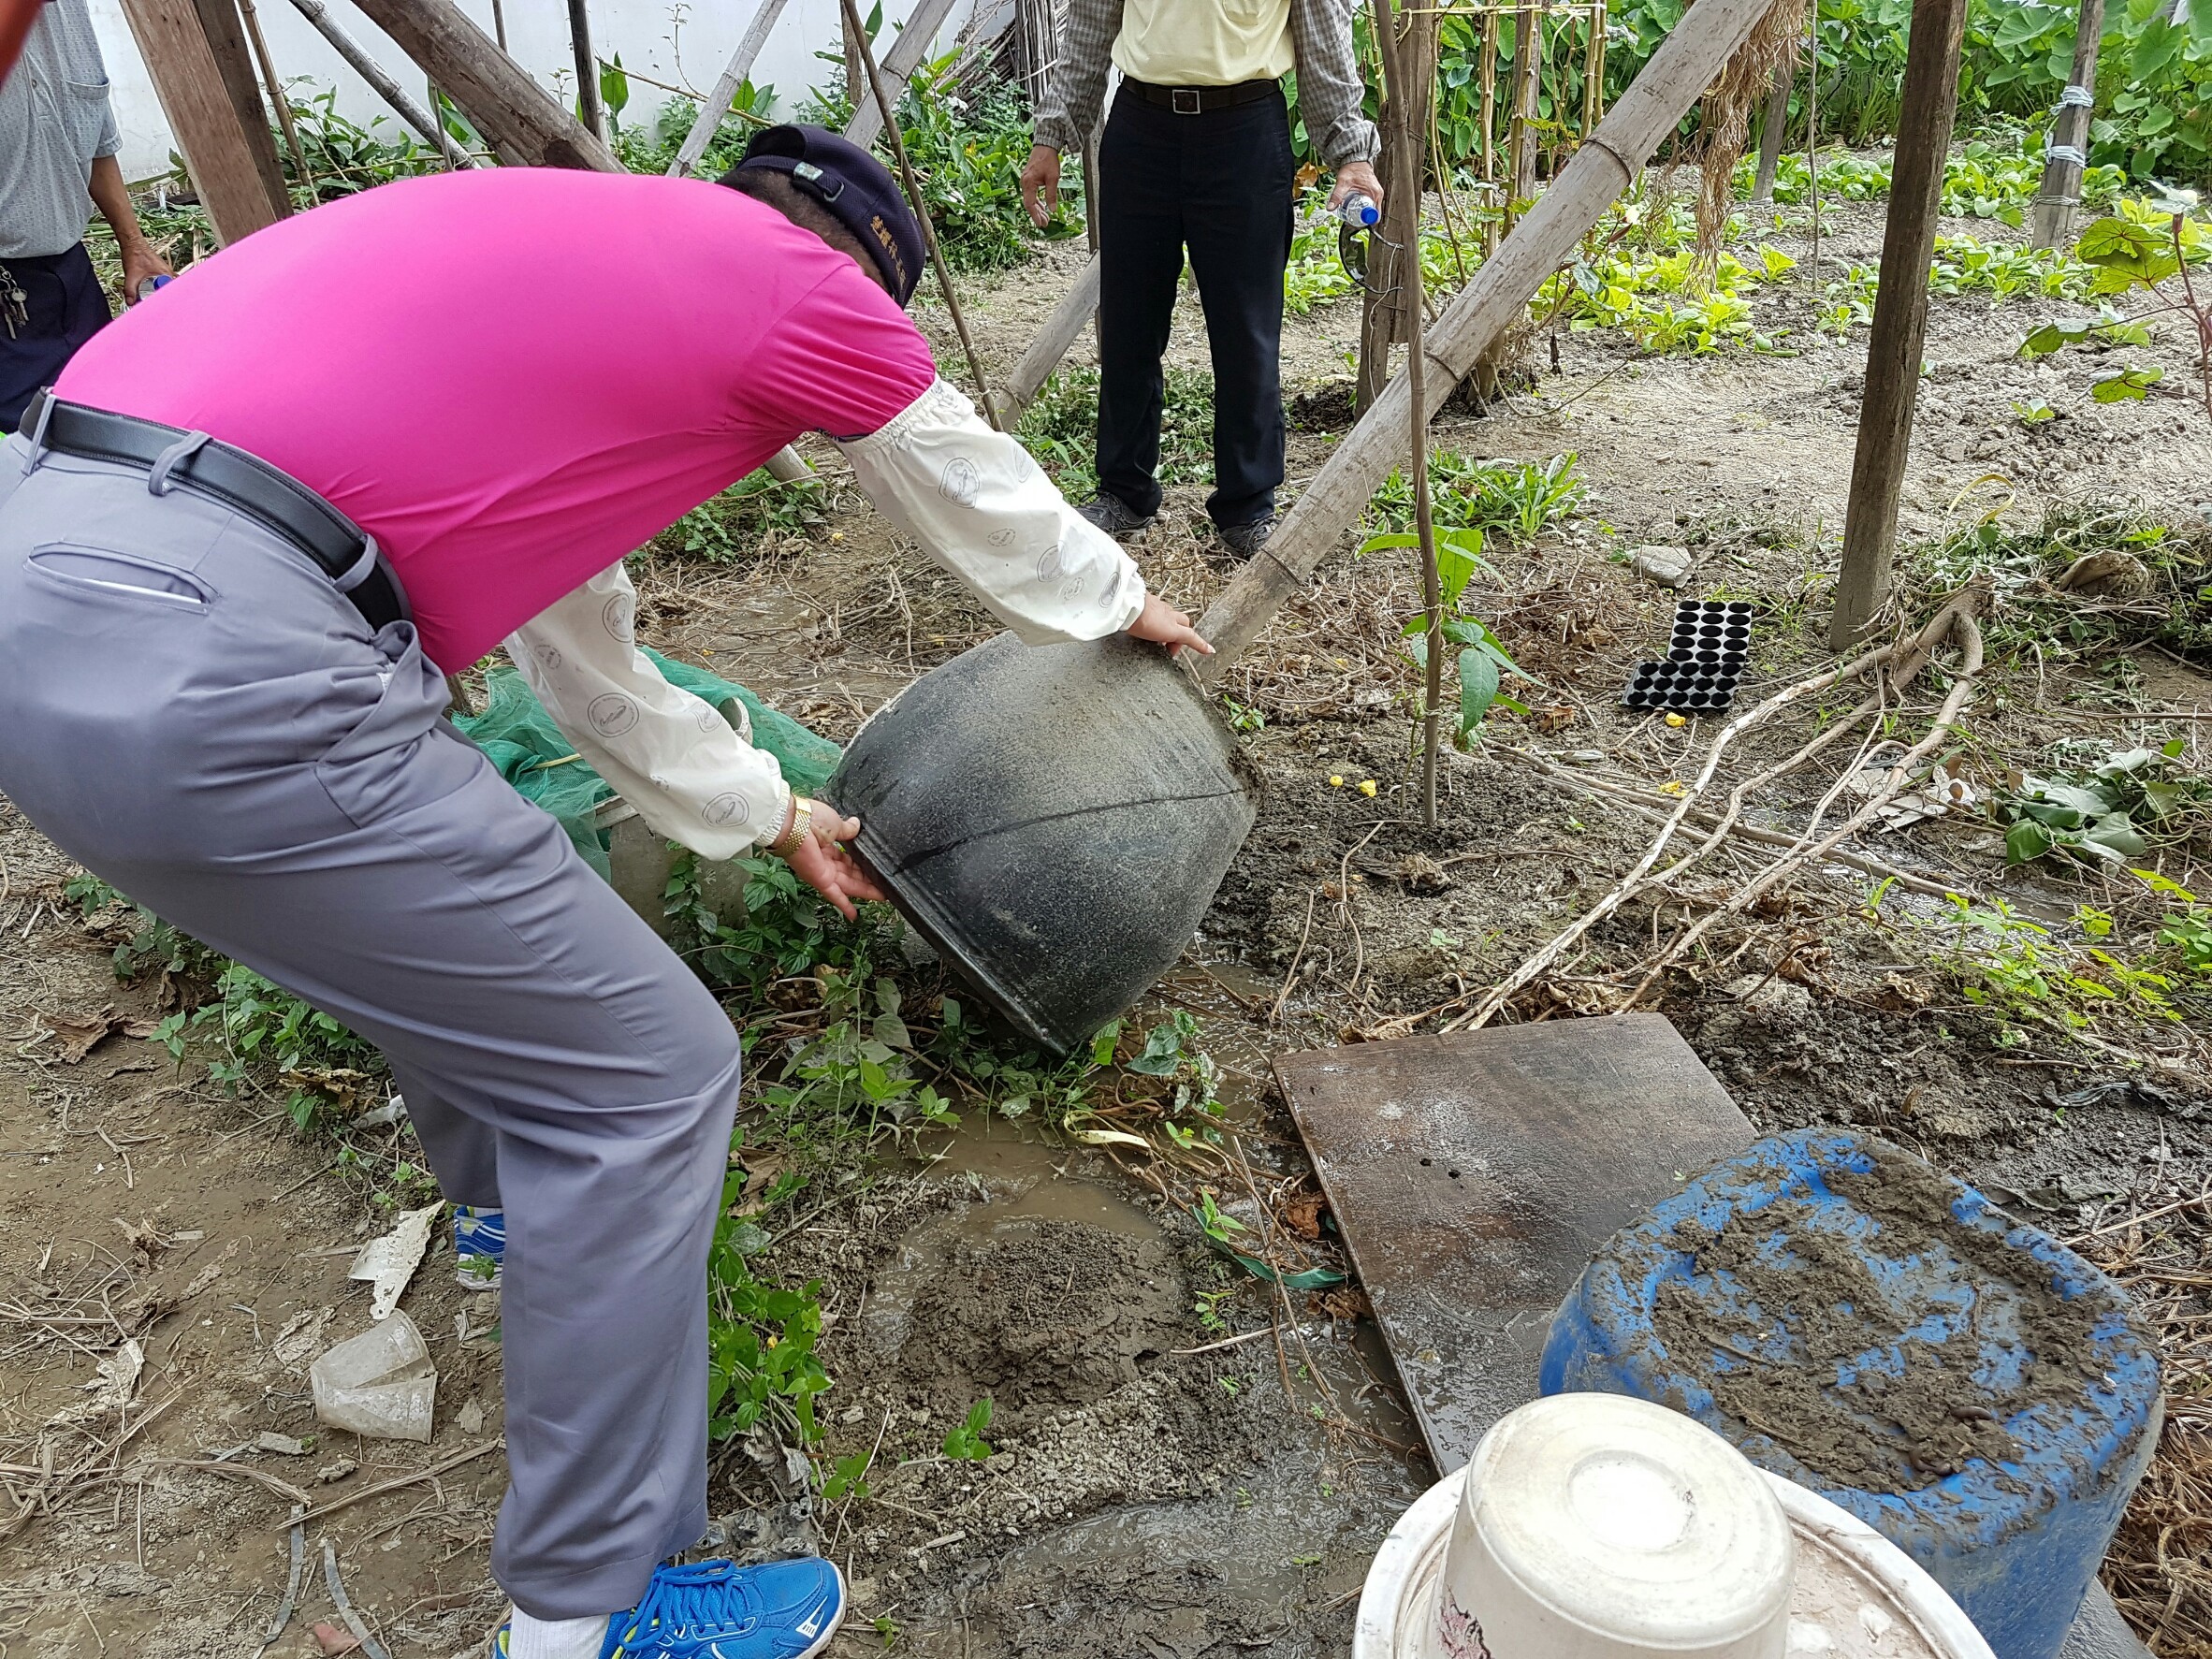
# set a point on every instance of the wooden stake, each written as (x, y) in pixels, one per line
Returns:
(726, 89)
(1684, 65)
(276, 97)
(1929, 103)
(579, 40)
(906, 172)
(226, 38)
(501, 98)
(196, 99)
(1770, 125)
(2061, 196)
(1812, 135)
(1408, 70)
(1051, 343)
(368, 69)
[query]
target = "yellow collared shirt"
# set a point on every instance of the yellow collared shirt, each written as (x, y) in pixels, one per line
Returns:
(1205, 42)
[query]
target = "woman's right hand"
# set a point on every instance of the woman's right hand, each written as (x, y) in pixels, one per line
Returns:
(823, 862)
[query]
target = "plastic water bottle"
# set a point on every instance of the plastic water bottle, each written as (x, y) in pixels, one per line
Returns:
(153, 282)
(1358, 211)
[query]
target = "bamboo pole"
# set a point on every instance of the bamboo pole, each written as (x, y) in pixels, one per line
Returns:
(1593, 70)
(2066, 153)
(277, 98)
(1528, 65)
(1812, 137)
(905, 170)
(1929, 103)
(1490, 124)
(579, 40)
(1685, 63)
(725, 90)
(897, 66)
(368, 69)
(501, 98)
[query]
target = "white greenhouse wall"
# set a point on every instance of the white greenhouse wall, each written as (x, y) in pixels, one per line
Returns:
(645, 32)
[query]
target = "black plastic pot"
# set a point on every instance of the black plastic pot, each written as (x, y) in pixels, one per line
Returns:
(1054, 819)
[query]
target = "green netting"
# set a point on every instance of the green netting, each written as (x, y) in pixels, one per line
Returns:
(527, 746)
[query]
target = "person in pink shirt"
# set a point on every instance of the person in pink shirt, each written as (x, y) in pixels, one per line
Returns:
(246, 536)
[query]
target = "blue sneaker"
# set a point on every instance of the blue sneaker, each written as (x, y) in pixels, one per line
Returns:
(717, 1610)
(480, 1245)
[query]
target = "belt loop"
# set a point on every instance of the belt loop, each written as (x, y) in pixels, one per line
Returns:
(1176, 95)
(46, 404)
(359, 571)
(169, 459)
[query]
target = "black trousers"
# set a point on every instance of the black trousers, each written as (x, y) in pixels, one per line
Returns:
(68, 307)
(1219, 185)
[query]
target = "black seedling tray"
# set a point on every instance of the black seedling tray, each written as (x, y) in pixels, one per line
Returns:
(1705, 659)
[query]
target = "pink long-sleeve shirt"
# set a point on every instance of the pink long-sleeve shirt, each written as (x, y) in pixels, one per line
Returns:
(513, 377)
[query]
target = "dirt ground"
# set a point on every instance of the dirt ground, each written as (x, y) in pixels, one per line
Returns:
(1151, 1490)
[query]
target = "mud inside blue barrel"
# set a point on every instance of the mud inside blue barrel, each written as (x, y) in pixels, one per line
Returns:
(1880, 1325)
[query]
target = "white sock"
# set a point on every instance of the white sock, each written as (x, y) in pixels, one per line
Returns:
(555, 1638)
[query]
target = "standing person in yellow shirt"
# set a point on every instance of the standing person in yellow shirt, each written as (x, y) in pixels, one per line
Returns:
(1196, 154)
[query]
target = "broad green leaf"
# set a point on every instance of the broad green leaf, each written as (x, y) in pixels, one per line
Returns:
(1479, 688)
(2026, 841)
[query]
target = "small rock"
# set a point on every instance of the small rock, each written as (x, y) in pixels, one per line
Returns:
(1670, 567)
(285, 1446)
(337, 1471)
(469, 1419)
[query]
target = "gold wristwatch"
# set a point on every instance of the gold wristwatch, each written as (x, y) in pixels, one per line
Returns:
(802, 819)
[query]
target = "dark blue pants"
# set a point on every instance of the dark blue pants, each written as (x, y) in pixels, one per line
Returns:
(1219, 185)
(68, 307)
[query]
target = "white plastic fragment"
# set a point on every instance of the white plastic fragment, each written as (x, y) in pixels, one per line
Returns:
(390, 1262)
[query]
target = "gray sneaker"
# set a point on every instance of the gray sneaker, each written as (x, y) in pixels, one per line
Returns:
(1245, 540)
(1113, 516)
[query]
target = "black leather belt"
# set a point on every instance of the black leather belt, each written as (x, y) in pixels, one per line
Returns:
(244, 483)
(1202, 100)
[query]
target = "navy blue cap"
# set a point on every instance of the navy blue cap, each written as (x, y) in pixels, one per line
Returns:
(857, 190)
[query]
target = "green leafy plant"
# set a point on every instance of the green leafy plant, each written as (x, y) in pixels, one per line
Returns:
(1516, 501)
(756, 508)
(253, 1023)
(2104, 815)
(1218, 1224)
(761, 1339)
(847, 1480)
(2142, 246)
(1061, 429)
(965, 1443)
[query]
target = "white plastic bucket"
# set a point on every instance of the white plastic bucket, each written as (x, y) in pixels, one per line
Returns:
(1556, 1586)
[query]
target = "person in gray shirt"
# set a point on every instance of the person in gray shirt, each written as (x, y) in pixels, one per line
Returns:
(57, 163)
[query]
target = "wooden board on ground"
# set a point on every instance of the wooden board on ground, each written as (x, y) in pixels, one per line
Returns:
(1474, 1175)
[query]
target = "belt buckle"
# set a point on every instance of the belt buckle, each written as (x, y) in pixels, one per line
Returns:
(1177, 97)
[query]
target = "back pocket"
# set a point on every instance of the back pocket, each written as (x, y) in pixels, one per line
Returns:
(105, 573)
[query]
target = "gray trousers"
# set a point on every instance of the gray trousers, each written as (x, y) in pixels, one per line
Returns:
(190, 709)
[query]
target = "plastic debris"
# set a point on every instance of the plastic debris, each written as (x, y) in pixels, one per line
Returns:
(1667, 566)
(380, 1384)
(390, 1262)
(111, 1389)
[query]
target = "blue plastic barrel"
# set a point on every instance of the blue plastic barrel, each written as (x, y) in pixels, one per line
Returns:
(2013, 1527)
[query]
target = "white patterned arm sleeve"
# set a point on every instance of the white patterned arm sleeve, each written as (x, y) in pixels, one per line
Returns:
(668, 753)
(986, 511)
